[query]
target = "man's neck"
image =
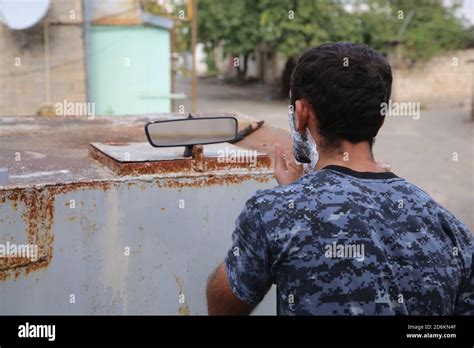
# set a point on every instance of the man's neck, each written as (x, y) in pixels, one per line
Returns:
(357, 157)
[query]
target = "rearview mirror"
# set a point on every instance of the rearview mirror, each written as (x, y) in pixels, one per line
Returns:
(191, 131)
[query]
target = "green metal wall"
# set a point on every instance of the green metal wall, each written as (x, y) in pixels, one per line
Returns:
(129, 69)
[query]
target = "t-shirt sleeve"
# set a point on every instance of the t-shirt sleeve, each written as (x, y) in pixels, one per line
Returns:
(465, 303)
(465, 246)
(248, 260)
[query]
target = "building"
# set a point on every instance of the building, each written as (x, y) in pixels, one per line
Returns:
(264, 64)
(106, 52)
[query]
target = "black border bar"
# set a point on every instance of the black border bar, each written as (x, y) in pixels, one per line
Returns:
(136, 330)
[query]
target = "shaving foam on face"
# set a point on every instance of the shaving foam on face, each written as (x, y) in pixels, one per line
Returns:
(304, 146)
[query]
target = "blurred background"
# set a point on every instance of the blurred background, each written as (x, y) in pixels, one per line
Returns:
(135, 57)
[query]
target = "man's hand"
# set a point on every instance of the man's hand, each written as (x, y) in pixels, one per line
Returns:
(287, 170)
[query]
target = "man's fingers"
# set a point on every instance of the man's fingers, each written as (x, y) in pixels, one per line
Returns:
(280, 159)
(291, 163)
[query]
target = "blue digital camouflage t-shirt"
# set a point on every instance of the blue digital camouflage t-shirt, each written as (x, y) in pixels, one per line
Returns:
(340, 242)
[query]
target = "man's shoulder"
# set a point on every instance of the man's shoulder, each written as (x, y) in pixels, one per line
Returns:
(317, 190)
(325, 183)
(303, 188)
(423, 201)
(321, 186)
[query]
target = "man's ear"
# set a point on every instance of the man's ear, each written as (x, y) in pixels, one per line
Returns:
(302, 114)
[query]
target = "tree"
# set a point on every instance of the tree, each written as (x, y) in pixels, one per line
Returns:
(433, 28)
(232, 24)
(294, 26)
(177, 11)
(291, 26)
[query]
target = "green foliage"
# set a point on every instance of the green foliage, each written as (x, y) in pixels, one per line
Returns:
(176, 10)
(182, 28)
(153, 7)
(291, 26)
(433, 28)
(235, 24)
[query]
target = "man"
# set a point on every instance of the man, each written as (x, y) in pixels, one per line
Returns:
(349, 238)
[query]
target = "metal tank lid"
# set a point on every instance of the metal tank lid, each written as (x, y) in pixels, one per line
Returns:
(67, 149)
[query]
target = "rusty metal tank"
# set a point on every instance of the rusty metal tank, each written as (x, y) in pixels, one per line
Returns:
(119, 227)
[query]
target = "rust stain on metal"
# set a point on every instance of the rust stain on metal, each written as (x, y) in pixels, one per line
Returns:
(263, 161)
(180, 180)
(116, 143)
(21, 134)
(39, 215)
(212, 180)
(137, 168)
(183, 308)
(197, 163)
(83, 185)
(39, 218)
(39, 208)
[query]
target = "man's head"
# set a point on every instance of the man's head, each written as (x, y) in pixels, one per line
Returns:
(339, 88)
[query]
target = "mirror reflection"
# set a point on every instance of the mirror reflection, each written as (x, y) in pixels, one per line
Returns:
(191, 131)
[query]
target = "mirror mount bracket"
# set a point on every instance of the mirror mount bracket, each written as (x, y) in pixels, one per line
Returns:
(188, 150)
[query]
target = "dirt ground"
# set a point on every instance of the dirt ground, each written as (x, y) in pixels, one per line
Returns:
(435, 151)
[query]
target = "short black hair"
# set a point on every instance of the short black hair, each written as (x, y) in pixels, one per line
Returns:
(346, 84)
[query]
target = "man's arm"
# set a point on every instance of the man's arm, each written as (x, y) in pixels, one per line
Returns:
(243, 279)
(220, 298)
